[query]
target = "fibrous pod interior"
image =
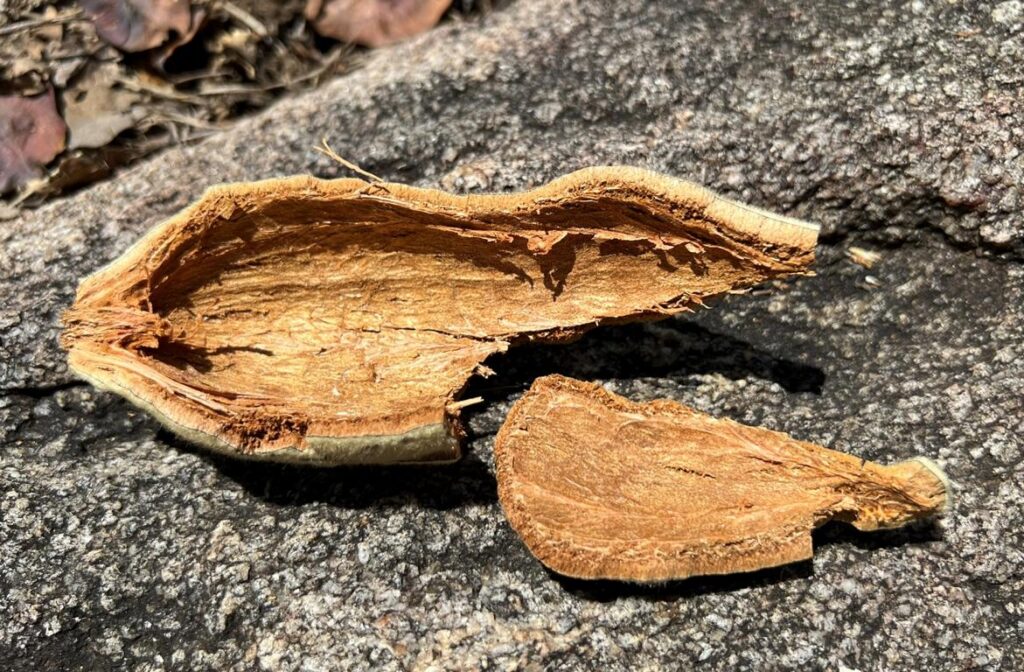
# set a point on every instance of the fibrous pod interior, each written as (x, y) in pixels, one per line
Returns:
(338, 321)
(600, 487)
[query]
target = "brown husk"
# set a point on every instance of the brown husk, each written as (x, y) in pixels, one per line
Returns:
(599, 487)
(338, 321)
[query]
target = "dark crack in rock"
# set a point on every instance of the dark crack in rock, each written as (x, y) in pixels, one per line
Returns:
(121, 547)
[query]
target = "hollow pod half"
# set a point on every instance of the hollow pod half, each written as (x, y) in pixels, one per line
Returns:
(337, 322)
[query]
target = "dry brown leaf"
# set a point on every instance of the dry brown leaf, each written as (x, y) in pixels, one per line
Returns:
(96, 109)
(374, 23)
(138, 25)
(602, 488)
(338, 321)
(31, 135)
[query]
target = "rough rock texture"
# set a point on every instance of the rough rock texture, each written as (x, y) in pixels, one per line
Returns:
(123, 548)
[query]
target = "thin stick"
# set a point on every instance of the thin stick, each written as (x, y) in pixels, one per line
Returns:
(326, 150)
(456, 405)
(139, 87)
(326, 64)
(244, 17)
(29, 24)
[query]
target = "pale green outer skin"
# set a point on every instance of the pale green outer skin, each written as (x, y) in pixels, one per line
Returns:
(427, 444)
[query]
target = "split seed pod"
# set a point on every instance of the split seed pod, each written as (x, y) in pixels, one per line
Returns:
(338, 321)
(599, 487)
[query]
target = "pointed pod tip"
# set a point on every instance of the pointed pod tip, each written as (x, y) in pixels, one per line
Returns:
(938, 473)
(935, 470)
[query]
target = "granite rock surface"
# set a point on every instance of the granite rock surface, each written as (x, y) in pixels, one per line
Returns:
(897, 126)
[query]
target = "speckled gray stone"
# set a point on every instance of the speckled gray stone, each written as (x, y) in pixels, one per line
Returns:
(897, 127)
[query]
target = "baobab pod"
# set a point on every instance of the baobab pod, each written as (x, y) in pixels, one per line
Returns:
(338, 321)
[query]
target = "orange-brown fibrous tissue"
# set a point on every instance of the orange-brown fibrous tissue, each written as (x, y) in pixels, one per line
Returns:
(338, 321)
(602, 488)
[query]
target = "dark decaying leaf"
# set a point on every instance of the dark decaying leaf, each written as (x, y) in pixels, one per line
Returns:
(374, 23)
(31, 135)
(137, 25)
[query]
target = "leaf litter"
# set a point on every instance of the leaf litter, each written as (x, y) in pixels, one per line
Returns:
(111, 81)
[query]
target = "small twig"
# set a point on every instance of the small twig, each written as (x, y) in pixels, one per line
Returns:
(139, 87)
(312, 74)
(244, 17)
(196, 137)
(326, 150)
(31, 188)
(195, 77)
(463, 403)
(29, 24)
(185, 121)
(863, 257)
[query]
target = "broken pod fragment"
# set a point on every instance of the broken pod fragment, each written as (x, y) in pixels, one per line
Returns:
(337, 322)
(599, 487)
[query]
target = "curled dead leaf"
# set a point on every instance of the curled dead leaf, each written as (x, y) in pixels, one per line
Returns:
(138, 25)
(337, 321)
(600, 487)
(31, 134)
(160, 56)
(374, 23)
